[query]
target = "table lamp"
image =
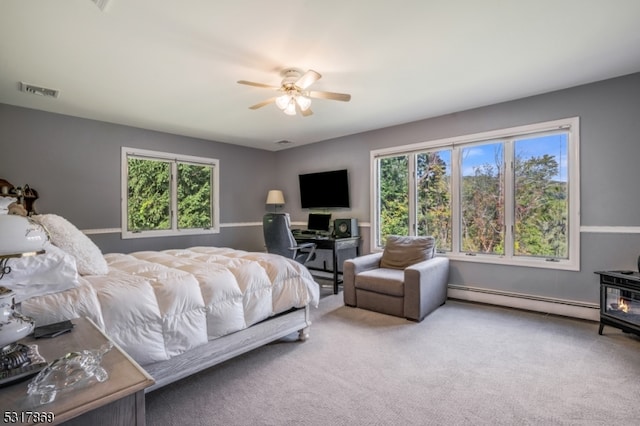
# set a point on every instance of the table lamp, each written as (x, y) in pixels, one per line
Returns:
(19, 237)
(275, 198)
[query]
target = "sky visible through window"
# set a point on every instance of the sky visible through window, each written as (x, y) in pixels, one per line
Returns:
(553, 145)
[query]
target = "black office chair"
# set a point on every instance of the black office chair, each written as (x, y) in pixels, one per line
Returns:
(279, 239)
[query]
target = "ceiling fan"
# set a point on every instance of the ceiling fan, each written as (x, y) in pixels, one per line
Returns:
(295, 97)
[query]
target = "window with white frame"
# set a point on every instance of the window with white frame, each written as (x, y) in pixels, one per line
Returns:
(168, 194)
(508, 196)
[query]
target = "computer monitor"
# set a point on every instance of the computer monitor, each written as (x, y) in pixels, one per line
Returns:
(319, 222)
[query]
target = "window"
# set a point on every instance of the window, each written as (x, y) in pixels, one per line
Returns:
(509, 196)
(168, 194)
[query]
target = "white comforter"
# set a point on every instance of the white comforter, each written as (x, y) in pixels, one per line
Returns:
(156, 305)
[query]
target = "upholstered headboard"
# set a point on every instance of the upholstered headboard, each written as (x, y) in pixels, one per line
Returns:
(26, 195)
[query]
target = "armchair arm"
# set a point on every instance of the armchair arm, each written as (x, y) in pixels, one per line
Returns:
(300, 248)
(353, 267)
(425, 287)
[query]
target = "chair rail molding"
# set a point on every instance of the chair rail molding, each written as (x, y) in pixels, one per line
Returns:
(610, 229)
(97, 231)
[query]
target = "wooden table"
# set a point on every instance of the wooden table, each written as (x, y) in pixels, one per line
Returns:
(117, 401)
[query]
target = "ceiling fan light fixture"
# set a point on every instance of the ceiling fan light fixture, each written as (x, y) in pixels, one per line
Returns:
(291, 107)
(283, 101)
(303, 102)
(294, 96)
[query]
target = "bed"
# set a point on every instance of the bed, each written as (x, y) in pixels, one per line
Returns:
(175, 312)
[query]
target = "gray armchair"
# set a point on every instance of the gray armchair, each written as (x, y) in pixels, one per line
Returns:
(278, 239)
(406, 280)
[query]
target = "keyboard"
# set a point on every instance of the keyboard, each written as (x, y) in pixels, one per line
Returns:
(311, 233)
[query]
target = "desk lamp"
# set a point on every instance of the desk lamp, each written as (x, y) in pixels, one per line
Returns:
(19, 238)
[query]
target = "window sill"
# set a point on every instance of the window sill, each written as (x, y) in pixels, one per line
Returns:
(565, 265)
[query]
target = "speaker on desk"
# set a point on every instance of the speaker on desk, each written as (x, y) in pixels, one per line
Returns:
(345, 228)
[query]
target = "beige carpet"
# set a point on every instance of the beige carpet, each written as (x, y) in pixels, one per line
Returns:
(465, 364)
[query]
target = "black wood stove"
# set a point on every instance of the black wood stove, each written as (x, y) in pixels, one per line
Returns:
(620, 300)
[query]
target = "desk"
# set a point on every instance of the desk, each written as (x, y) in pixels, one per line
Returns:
(117, 401)
(335, 245)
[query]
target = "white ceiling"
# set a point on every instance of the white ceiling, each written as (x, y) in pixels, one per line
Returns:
(172, 65)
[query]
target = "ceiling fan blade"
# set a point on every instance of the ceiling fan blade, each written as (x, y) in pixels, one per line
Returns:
(263, 103)
(307, 79)
(251, 83)
(307, 112)
(330, 95)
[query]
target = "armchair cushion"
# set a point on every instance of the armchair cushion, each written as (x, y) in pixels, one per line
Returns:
(401, 252)
(383, 280)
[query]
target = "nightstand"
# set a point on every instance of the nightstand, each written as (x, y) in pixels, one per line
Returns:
(117, 401)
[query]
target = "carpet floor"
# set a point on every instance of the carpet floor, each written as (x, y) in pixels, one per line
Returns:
(465, 364)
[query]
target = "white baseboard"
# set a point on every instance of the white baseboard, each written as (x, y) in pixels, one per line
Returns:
(562, 307)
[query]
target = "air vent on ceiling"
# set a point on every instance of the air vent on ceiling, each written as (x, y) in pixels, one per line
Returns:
(102, 4)
(37, 90)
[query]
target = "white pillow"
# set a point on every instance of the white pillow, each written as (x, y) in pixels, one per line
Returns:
(47, 273)
(65, 235)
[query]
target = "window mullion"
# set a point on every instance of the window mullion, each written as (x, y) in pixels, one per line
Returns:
(509, 198)
(455, 199)
(376, 204)
(174, 195)
(413, 195)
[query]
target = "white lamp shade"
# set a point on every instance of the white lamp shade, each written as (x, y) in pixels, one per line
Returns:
(18, 235)
(291, 107)
(303, 102)
(275, 196)
(283, 101)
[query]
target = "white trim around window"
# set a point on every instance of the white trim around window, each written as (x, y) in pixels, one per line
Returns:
(568, 126)
(173, 160)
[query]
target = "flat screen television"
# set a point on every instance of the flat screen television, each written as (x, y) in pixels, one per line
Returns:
(324, 189)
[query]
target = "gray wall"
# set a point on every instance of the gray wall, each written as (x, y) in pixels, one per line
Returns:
(610, 148)
(75, 164)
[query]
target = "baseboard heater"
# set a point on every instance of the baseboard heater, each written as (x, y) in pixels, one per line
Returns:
(528, 302)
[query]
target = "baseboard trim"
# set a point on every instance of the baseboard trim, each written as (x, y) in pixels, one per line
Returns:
(562, 307)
